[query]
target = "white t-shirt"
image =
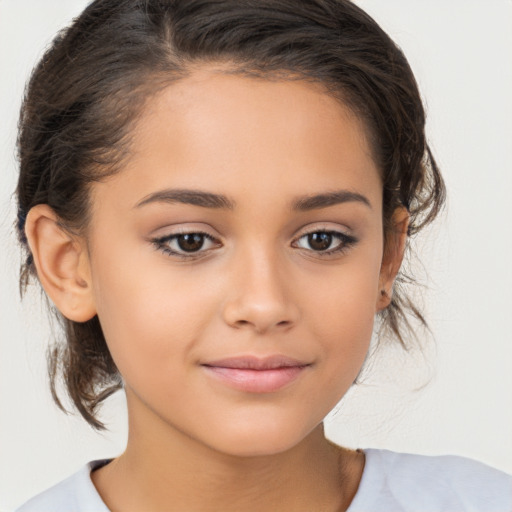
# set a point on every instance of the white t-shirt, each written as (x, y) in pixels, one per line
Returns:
(391, 482)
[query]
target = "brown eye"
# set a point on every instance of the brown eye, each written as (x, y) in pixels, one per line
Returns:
(325, 242)
(190, 242)
(186, 245)
(320, 241)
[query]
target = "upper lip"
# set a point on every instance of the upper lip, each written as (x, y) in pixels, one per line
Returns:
(257, 363)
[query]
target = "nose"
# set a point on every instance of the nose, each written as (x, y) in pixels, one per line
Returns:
(261, 295)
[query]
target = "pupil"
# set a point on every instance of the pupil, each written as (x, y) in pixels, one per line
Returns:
(320, 241)
(191, 242)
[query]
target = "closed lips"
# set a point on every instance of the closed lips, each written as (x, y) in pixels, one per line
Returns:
(256, 375)
(254, 363)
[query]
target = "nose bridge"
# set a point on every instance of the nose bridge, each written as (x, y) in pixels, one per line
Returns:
(260, 297)
(263, 275)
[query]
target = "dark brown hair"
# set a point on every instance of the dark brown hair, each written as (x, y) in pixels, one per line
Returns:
(91, 85)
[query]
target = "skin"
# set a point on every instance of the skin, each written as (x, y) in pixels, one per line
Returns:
(258, 289)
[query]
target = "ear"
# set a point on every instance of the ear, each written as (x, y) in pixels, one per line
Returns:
(62, 264)
(394, 248)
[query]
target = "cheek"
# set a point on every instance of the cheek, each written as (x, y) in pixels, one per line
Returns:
(346, 331)
(347, 300)
(149, 315)
(342, 316)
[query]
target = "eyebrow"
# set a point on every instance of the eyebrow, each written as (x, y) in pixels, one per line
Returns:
(220, 201)
(317, 201)
(193, 197)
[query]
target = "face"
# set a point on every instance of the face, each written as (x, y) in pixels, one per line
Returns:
(236, 260)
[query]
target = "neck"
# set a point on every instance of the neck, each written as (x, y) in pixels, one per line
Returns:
(159, 468)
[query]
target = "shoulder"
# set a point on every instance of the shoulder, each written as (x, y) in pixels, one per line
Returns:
(425, 483)
(75, 494)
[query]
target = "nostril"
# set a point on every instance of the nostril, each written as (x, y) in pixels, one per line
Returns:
(242, 322)
(261, 327)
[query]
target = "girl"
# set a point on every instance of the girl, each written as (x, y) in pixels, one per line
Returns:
(217, 196)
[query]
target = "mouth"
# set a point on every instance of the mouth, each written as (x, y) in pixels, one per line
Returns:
(256, 375)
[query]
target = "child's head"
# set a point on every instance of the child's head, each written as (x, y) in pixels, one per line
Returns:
(115, 93)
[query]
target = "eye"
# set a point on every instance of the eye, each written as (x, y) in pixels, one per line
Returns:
(186, 245)
(325, 242)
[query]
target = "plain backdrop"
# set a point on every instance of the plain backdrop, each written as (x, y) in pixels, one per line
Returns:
(458, 397)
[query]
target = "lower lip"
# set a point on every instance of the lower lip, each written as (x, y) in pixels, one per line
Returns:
(256, 381)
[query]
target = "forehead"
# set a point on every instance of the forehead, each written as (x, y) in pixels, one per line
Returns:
(236, 134)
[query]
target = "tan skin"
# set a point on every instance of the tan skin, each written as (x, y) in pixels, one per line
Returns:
(255, 285)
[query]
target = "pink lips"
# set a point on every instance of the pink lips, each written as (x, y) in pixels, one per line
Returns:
(256, 375)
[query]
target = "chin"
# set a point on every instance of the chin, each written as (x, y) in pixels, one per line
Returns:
(260, 440)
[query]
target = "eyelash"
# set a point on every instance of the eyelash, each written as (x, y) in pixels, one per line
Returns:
(162, 243)
(345, 242)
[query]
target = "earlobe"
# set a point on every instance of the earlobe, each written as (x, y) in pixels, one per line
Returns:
(394, 249)
(61, 263)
